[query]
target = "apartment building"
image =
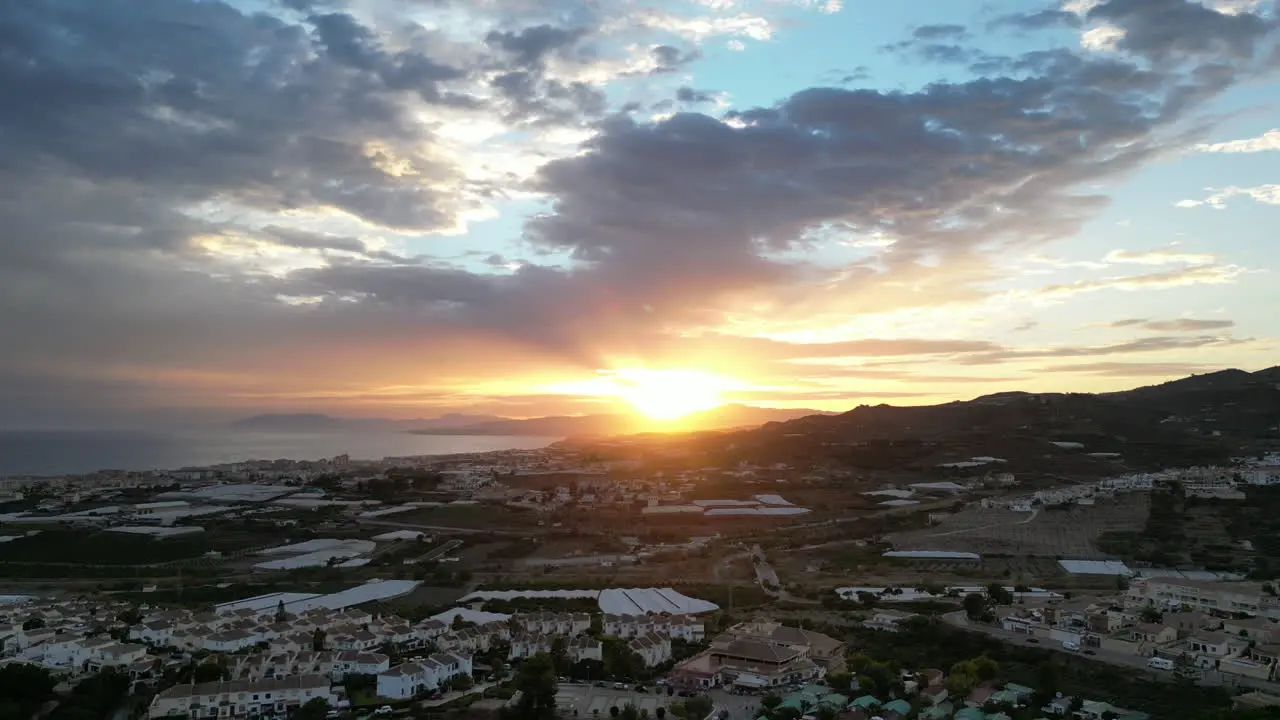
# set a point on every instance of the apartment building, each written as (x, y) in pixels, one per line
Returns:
(1204, 595)
(411, 679)
(653, 648)
(761, 654)
(683, 627)
(240, 698)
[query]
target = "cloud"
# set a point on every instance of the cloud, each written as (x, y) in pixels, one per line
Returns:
(1174, 30)
(1159, 257)
(1141, 345)
(1178, 325)
(1130, 370)
(940, 32)
(1038, 20)
(206, 205)
(1269, 140)
(1263, 194)
(1179, 277)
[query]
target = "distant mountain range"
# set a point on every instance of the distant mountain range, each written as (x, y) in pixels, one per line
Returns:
(720, 418)
(726, 416)
(1197, 420)
(316, 422)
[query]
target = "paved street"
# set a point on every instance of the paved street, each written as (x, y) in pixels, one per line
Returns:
(1136, 662)
(740, 707)
(590, 701)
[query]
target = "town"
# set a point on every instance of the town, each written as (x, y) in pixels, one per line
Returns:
(645, 584)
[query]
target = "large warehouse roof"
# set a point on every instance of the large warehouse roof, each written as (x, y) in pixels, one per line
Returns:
(932, 555)
(641, 601)
(263, 602)
(369, 592)
(1095, 567)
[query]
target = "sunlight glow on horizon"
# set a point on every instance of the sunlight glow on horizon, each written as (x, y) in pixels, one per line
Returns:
(661, 395)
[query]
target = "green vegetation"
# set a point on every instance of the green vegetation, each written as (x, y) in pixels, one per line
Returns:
(96, 697)
(23, 689)
(1210, 533)
(924, 644)
(536, 682)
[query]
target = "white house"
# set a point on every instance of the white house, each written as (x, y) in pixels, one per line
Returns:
(240, 698)
(410, 679)
(653, 648)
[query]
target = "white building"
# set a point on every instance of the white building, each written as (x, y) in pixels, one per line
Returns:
(653, 648)
(411, 679)
(241, 698)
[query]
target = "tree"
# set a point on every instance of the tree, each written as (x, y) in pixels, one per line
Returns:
(697, 708)
(560, 654)
(463, 681)
(999, 595)
(1047, 680)
(660, 713)
(207, 672)
(317, 639)
(536, 682)
(985, 668)
(132, 616)
(34, 623)
(770, 702)
(613, 711)
(280, 612)
(1184, 672)
(839, 681)
(629, 712)
(974, 606)
(1150, 614)
(314, 709)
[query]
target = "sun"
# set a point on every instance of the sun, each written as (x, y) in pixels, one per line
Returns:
(669, 394)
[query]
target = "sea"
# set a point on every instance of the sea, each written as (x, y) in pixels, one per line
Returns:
(59, 452)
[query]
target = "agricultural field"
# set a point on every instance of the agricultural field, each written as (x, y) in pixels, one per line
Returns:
(1071, 532)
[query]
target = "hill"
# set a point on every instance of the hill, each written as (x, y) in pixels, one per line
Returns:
(723, 417)
(1197, 420)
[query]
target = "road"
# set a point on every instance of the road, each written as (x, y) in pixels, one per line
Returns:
(397, 525)
(1136, 662)
(768, 579)
(451, 696)
(440, 551)
(975, 528)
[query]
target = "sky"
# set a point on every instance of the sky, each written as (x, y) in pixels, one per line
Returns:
(402, 208)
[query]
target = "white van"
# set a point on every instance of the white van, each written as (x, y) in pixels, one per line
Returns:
(1160, 663)
(1070, 646)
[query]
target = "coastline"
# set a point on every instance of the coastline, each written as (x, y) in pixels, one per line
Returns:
(59, 453)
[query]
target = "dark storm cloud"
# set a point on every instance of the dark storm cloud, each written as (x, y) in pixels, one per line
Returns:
(1174, 29)
(1040, 20)
(693, 97)
(531, 46)
(197, 100)
(940, 32)
(670, 59)
(534, 97)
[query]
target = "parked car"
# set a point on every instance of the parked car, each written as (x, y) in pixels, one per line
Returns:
(384, 710)
(1034, 641)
